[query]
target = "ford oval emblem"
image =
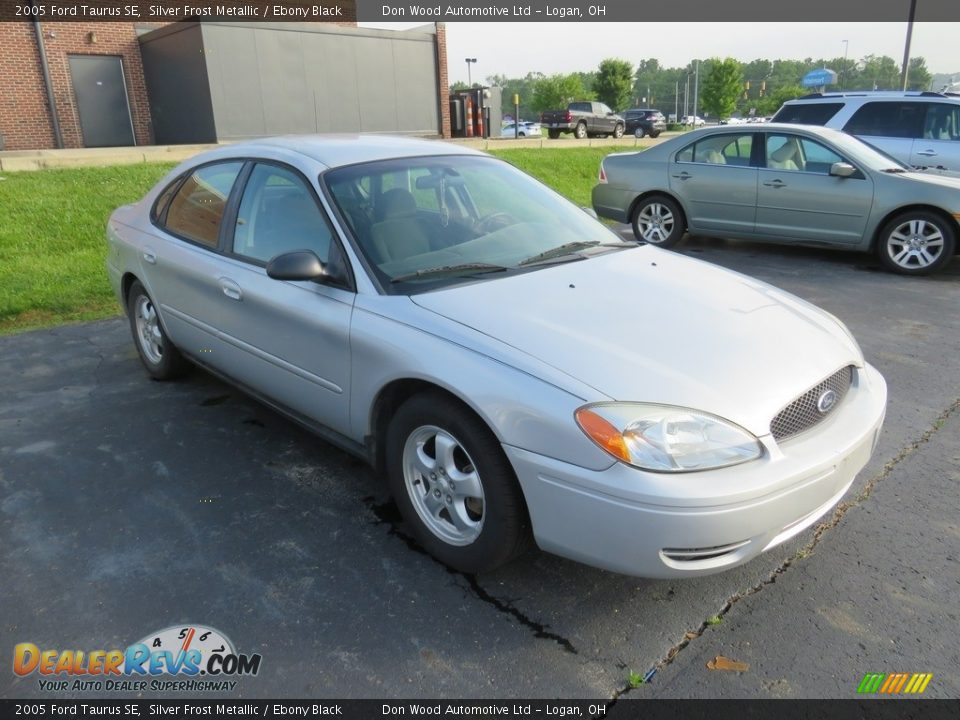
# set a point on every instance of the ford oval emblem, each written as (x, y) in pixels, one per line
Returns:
(826, 401)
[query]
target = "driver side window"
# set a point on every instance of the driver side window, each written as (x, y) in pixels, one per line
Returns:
(279, 214)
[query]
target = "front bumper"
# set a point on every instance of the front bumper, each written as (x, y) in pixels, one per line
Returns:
(683, 525)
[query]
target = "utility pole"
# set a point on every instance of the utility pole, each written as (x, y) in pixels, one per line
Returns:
(676, 101)
(686, 97)
(906, 48)
(470, 62)
(696, 88)
(843, 69)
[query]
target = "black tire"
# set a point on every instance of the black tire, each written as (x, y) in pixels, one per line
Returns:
(618, 131)
(158, 354)
(916, 242)
(671, 226)
(655, 134)
(553, 134)
(639, 132)
(580, 132)
(504, 527)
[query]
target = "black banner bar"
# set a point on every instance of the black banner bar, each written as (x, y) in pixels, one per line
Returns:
(564, 11)
(621, 709)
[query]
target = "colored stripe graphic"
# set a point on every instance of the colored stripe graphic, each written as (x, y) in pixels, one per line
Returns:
(894, 683)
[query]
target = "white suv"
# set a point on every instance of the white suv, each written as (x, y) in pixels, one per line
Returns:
(918, 128)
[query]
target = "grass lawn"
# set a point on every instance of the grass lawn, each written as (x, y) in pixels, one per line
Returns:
(52, 226)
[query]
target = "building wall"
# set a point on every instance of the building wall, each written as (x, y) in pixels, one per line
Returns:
(24, 116)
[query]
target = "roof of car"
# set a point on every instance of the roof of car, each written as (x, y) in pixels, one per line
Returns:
(874, 94)
(336, 150)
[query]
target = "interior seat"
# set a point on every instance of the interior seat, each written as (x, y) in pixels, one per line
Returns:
(397, 232)
(786, 157)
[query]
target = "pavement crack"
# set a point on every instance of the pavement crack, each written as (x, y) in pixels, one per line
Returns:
(838, 514)
(388, 514)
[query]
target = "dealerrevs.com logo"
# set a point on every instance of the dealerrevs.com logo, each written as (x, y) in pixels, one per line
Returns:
(181, 658)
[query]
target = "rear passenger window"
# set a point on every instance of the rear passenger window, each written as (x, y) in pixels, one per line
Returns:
(807, 114)
(196, 211)
(888, 119)
(161, 204)
(942, 122)
(278, 214)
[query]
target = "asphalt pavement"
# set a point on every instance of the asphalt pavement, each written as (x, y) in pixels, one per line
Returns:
(128, 505)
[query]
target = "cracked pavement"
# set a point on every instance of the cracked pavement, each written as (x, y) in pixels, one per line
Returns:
(128, 505)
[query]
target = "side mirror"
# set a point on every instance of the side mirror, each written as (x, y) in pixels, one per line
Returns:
(843, 170)
(296, 265)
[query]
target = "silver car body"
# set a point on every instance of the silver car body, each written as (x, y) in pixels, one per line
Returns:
(754, 202)
(525, 352)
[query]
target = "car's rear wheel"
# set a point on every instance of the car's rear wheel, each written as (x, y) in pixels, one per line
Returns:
(553, 134)
(916, 242)
(658, 220)
(454, 486)
(639, 132)
(655, 134)
(159, 355)
(581, 131)
(618, 131)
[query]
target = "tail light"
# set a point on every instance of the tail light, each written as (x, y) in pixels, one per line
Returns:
(568, 117)
(603, 174)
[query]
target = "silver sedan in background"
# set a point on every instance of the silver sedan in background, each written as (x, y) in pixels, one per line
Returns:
(784, 184)
(474, 336)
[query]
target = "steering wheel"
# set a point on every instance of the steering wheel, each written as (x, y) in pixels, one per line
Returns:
(493, 222)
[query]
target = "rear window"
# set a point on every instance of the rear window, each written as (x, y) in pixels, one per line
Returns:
(888, 119)
(807, 114)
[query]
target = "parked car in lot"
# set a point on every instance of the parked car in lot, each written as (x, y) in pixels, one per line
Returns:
(785, 184)
(583, 119)
(525, 129)
(462, 327)
(694, 120)
(921, 129)
(641, 122)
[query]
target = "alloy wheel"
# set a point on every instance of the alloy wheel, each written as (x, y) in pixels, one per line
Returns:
(915, 244)
(655, 222)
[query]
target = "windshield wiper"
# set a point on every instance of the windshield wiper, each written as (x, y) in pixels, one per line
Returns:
(475, 268)
(894, 170)
(570, 248)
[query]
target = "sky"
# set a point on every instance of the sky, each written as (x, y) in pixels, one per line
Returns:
(514, 49)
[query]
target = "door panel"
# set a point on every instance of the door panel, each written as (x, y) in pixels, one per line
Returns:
(101, 100)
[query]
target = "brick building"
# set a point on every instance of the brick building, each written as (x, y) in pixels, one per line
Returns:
(26, 120)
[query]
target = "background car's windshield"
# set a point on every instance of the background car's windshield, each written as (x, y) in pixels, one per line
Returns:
(413, 215)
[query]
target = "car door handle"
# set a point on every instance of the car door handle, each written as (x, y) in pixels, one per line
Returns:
(684, 175)
(776, 184)
(150, 256)
(927, 153)
(231, 289)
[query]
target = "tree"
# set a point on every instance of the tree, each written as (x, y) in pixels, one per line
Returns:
(614, 83)
(722, 88)
(918, 76)
(556, 91)
(769, 104)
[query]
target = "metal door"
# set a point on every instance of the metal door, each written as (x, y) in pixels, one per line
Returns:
(102, 101)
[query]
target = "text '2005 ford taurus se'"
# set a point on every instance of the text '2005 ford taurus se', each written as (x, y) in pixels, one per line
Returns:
(478, 339)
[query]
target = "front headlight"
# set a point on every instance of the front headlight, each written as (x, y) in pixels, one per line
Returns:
(664, 438)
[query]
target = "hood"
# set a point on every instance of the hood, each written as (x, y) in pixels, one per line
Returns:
(653, 326)
(943, 178)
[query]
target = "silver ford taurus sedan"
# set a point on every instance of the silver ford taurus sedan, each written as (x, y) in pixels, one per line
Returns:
(793, 184)
(478, 340)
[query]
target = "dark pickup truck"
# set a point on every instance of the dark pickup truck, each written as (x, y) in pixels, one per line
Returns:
(583, 119)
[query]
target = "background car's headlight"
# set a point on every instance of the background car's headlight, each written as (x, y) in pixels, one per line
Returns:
(664, 438)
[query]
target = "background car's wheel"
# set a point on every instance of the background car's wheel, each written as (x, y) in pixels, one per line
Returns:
(916, 242)
(581, 131)
(639, 132)
(521, 134)
(454, 486)
(553, 134)
(618, 131)
(159, 356)
(655, 134)
(658, 220)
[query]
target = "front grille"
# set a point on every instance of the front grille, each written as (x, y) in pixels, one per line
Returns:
(805, 412)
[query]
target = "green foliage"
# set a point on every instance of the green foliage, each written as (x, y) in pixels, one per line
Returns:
(635, 679)
(769, 104)
(722, 88)
(556, 91)
(614, 83)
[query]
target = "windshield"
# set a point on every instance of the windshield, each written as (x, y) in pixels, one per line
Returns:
(428, 222)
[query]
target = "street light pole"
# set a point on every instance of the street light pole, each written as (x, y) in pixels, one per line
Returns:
(696, 88)
(469, 61)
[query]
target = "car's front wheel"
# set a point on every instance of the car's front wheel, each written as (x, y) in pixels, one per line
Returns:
(658, 220)
(916, 242)
(454, 486)
(618, 131)
(159, 355)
